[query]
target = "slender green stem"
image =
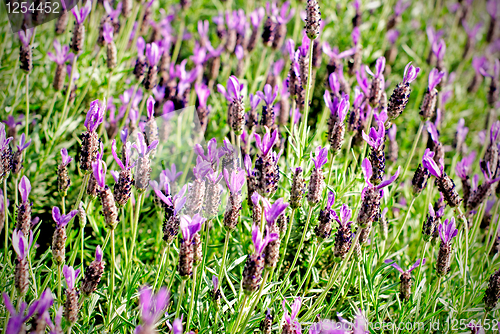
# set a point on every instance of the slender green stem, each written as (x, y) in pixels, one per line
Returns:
(422, 256)
(181, 296)
(223, 260)
(259, 68)
(164, 266)
(319, 244)
(269, 61)
(349, 277)
(216, 318)
(68, 93)
(27, 117)
(87, 85)
(178, 42)
(409, 158)
(308, 96)
(255, 302)
(234, 329)
(59, 284)
(298, 251)
(492, 234)
(346, 160)
(6, 220)
(334, 275)
(401, 229)
(135, 225)
(112, 280)
(360, 277)
(287, 239)
(192, 302)
(14, 72)
(83, 187)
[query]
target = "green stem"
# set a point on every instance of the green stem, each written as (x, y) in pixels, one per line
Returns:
(14, 72)
(287, 239)
(259, 68)
(178, 42)
(164, 267)
(332, 302)
(87, 86)
(181, 295)
(83, 187)
(112, 280)
(6, 218)
(308, 96)
(298, 252)
(311, 265)
(216, 318)
(409, 158)
(223, 260)
(59, 284)
(27, 117)
(191, 303)
(240, 313)
(334, 275)
(346, 160)
(422, 256)
(401, 229)
(135, 226)
(255, 302)
(68, 93)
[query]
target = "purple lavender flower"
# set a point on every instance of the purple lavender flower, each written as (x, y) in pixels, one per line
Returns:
(371, 195)
(61, 219)
(25, 36)
(235, 181)
(21, 243)
(213, 154)
(16, 323)
(62, 53)
(152, 307)
(95, 116)
(379, 68)
(321, 157)
(203, 32)
(275, 210)
(406, 279)
(81, 15)
(191, 226)
(439, 49)
(292, 324)
(447, 232)
(376, 137)
(171, 174)
(70, 275)
(434, 78)
(153, 54)
(266, 143)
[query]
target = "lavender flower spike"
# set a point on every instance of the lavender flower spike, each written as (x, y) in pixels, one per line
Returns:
(321, 157)
(410, 73)
(447, 232)
(62, 55)
(434, 78)
(268, 96)
(24, 188)
(406, 279)
(379, 68)
(21, 244)
(235, 181)
(291, 324)
(81, 15)
(70, 275)
(153, 54)
(16, 323)
(275, 210)
(265, 143)
(60, 219)
(95, 115)
(152, 307)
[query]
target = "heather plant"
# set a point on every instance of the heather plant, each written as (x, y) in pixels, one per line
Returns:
(243, 166)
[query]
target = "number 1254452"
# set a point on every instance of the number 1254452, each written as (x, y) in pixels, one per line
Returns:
(25, 7)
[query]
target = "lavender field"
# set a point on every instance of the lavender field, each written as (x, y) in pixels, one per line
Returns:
(232, 166)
